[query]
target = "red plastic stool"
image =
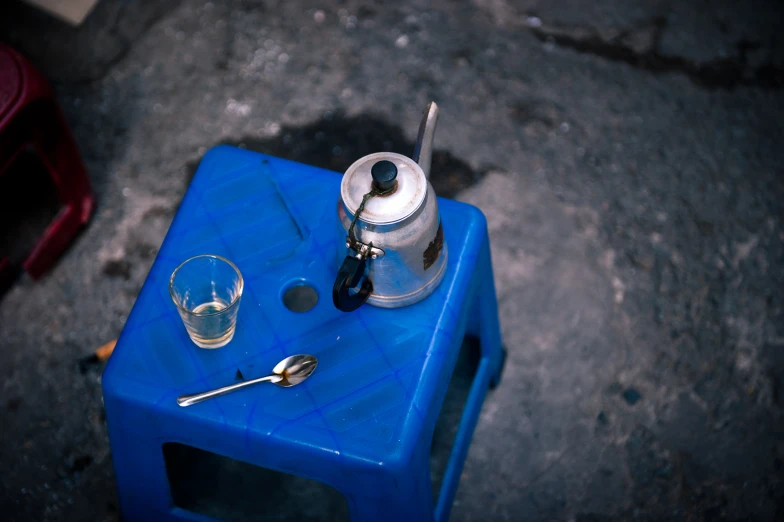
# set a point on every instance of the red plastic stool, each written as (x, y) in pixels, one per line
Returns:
(30, 117)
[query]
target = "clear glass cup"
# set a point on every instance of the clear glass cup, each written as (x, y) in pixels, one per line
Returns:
(207, 291)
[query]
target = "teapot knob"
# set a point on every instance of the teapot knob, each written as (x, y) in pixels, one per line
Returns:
(384, 174)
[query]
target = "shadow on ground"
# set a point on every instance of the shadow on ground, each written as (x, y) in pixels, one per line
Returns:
(336, 141)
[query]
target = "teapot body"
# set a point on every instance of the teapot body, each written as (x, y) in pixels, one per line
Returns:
(414, 253)
(392, 246)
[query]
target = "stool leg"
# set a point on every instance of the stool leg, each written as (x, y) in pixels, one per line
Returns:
(139, 469)
(58, 151)
(482, 323)
(409, 498)
(141, 481)
(485, 324)
(54, 241)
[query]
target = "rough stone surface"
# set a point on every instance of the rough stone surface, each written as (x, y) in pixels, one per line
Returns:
(627, 156)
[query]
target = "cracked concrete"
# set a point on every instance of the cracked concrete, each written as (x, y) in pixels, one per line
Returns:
(633, 192)
(665, 38)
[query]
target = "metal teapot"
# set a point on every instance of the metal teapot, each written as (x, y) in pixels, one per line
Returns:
(395, 251)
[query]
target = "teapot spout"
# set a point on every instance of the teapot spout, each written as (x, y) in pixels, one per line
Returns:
(423, 152)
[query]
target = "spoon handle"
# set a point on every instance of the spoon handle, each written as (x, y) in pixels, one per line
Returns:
(187, 400)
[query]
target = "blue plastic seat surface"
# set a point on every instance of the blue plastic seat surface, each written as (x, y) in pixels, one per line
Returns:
(379, 371)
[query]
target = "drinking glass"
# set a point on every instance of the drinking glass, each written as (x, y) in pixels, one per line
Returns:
(207, 291)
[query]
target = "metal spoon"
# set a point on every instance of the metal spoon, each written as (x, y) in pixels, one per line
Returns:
(288, 372)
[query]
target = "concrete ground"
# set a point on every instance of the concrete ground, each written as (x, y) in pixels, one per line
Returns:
(628, 158)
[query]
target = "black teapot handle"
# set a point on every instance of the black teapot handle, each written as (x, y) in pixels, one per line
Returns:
(349, 276)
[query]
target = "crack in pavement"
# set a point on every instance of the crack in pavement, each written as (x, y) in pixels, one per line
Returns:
(639, 47)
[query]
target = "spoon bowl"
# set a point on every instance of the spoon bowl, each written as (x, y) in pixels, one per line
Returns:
(295, 369)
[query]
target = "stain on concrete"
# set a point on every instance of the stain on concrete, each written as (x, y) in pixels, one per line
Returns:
(529, 111)
(80, 463)
(146, 217)
(631, 396)
(639, 47)
(117, 268)
(13, 403)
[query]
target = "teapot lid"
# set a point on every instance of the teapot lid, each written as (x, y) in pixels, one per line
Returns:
(388, 171)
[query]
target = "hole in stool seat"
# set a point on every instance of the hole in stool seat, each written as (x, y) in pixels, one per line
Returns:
(227, 489)
(300, 297)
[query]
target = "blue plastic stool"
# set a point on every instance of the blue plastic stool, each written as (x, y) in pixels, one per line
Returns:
(364, 421)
